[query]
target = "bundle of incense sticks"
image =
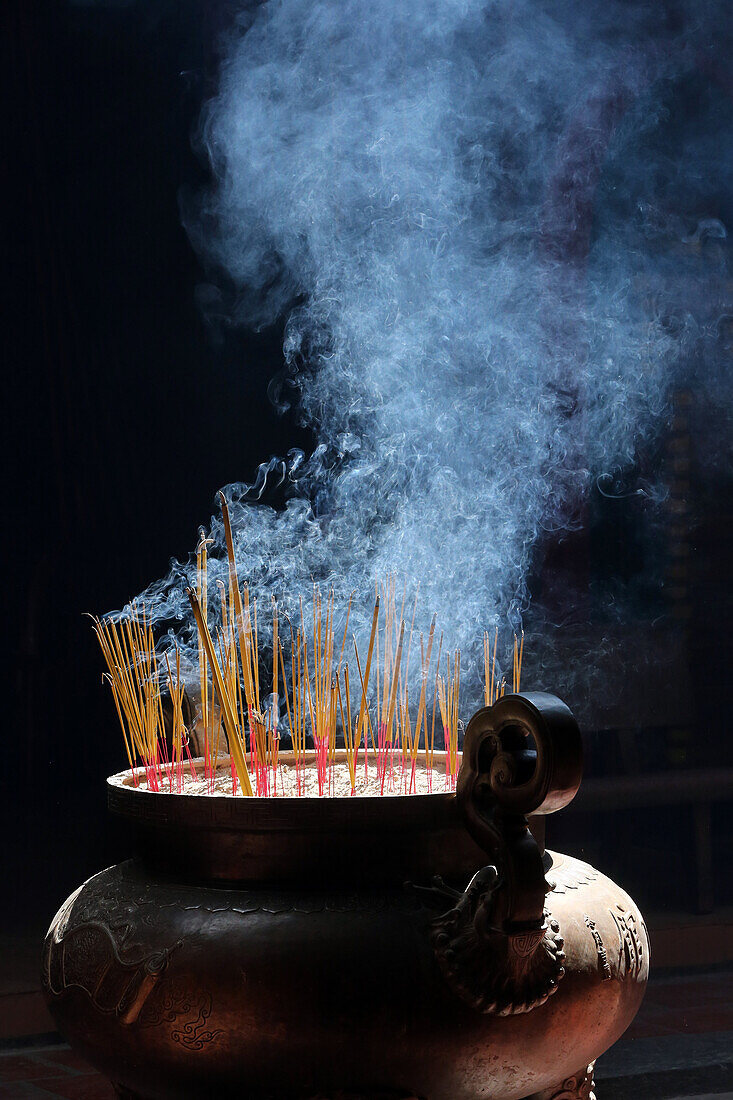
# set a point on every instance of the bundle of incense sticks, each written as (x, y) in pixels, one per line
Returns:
(135, 679)
(367, 714)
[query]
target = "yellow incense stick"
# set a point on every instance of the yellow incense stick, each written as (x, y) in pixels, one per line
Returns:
(230, 722)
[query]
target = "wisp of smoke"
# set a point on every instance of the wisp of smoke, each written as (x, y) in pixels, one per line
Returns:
(478, 325)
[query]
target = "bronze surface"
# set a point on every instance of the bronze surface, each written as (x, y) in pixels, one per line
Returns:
(317, 979)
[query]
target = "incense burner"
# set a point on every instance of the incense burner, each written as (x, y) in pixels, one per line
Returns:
(406, 946)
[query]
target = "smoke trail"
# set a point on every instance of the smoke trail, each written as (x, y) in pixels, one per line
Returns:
(411, 185)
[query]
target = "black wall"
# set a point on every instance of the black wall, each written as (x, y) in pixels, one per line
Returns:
(124, 413)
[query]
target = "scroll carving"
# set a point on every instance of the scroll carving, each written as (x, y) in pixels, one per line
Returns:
(194, 1034)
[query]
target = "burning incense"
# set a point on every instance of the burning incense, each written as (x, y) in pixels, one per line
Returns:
(128, 648)
(326, 705)
(234, 737)
(448, 692)
(179, 733)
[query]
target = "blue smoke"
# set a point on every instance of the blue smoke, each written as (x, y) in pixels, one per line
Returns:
(490, 291)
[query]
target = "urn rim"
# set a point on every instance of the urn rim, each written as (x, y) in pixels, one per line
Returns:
(283, 813)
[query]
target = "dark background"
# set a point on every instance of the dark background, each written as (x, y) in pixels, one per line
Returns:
(125, 414)
(126, 411)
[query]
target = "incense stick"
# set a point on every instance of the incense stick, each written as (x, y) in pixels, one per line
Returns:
(322, 699)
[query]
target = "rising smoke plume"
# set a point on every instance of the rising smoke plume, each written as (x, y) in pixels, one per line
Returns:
(489, 288)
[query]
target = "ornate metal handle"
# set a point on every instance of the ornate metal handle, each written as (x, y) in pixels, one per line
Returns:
(495, 946)
(522, 756)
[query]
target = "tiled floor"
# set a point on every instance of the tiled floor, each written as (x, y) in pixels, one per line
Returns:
(49, 1072)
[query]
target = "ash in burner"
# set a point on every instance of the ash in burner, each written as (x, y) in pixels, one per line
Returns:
(293, 778)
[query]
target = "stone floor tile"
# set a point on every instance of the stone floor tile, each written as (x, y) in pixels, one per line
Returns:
(63, 1058)
(22, 1090)
(90, 1087)
(24, 1067)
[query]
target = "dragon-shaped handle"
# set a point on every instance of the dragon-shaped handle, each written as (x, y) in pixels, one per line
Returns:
(521, 756)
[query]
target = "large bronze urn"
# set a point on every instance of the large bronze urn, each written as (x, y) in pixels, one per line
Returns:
(405, 946)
